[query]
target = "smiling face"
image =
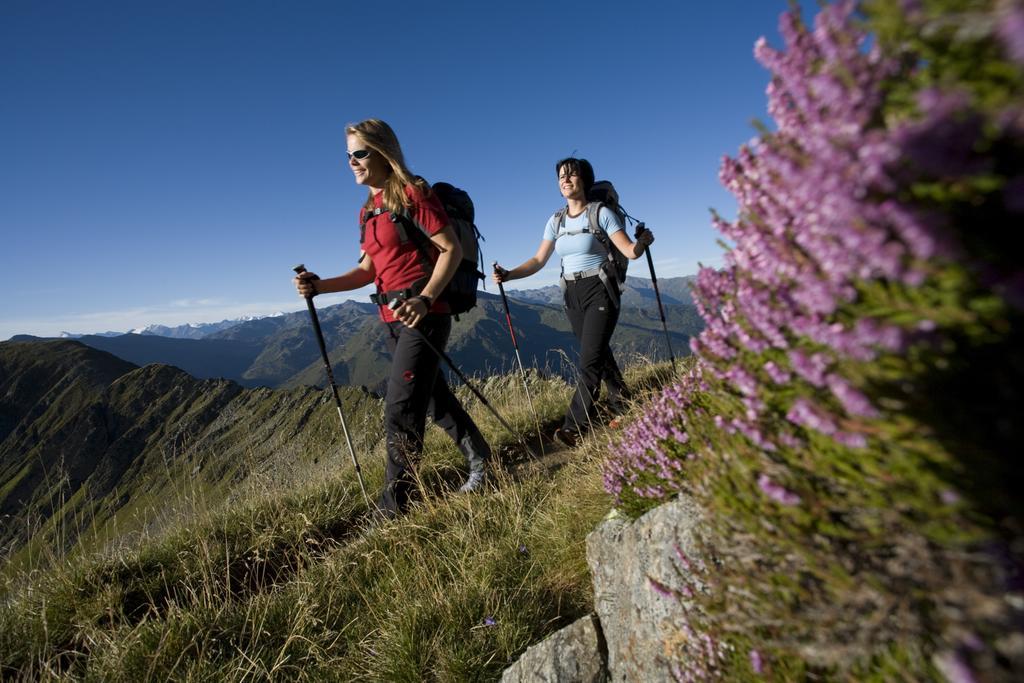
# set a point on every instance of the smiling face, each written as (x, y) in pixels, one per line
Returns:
(570, 183)
(372, 169)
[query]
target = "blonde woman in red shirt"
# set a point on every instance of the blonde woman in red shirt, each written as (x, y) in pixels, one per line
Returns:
(410, 279)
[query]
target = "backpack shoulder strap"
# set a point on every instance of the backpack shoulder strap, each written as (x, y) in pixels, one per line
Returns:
(593, 214)
(559, 220)
(403, 235)
(410, 230)
(560, 216)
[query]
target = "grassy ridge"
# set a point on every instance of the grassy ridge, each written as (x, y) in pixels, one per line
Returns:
(287, 582)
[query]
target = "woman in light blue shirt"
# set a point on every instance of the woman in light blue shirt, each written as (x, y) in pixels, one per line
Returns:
(590, 290)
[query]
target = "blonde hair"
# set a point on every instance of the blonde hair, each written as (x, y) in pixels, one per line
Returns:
(378, 136)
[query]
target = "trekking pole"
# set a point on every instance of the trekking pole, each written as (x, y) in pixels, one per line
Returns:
(657, 295)
(334, 388)
(519, 360)
(451, 364)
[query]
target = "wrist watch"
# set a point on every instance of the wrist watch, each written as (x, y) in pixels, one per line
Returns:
(426, 299)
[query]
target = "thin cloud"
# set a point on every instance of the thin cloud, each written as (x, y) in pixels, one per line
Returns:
(199, 303)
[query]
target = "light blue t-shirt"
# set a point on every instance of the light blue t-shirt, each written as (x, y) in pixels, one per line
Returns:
(583, 251)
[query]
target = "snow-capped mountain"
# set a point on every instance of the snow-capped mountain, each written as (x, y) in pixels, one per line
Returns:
(197, 330)
(73, 335)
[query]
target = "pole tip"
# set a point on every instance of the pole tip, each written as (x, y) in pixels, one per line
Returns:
(301, 268)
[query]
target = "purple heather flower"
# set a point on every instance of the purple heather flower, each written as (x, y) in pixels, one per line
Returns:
(805, 414)
(812, 368)
(660, 588)
(778, 493)
(742, 380)
(942, 145)
(1010, 28)
(683, 560)
(777, 374)
(755, 662)
(850, 439)
(952, 666)
(972, 642)
(819, 215)
(949, 497)
(910, 6)
(790, 441)
(852, 400)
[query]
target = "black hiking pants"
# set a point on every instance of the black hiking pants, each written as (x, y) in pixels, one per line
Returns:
(417, 388)
(593, 315)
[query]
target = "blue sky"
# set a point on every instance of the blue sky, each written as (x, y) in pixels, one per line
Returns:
(170, 162)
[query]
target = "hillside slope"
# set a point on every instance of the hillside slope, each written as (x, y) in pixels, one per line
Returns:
(105, 456)
(33, 378)
(285, 580)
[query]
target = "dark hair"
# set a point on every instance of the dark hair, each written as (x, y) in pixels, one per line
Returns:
(582, 168)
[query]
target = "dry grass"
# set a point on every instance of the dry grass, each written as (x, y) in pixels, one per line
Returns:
(287, 582)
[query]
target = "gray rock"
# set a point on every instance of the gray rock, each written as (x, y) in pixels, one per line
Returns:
(640, 588)
(572, 655)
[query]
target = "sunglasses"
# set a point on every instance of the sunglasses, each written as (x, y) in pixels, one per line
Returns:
(359, 154)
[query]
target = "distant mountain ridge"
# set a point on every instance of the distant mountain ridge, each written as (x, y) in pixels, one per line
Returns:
(186, 331)
(281, 350)
(638, 292)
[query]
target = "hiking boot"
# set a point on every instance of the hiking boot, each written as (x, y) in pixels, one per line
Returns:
(477, 452)
(474, 482)
(568, 436)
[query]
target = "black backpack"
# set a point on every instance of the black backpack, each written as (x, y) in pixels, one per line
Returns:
(460, 293)
(602, 193)
(461, 290)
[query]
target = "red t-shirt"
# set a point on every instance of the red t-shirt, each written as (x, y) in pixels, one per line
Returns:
(399, 264)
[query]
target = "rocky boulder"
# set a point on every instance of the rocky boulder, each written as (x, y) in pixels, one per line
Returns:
(572, 655)
(643, 571)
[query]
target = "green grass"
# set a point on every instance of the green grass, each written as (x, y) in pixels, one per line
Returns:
(287, 582)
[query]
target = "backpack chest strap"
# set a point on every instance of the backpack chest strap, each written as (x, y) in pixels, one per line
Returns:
(592, 210)
(396, 219)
